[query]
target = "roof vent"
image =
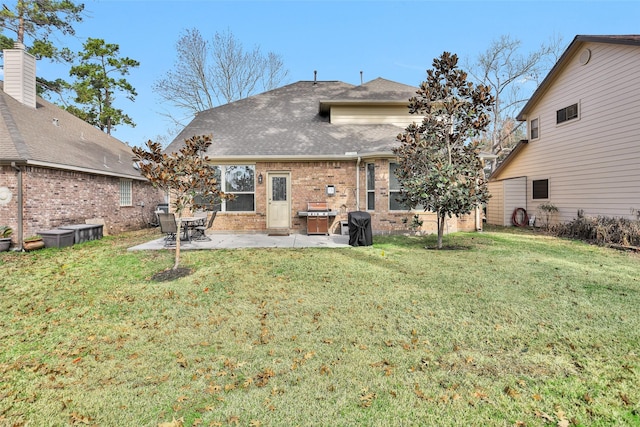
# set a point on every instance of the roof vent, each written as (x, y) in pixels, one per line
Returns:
(585, 56)
(55, 122)
(315, 77)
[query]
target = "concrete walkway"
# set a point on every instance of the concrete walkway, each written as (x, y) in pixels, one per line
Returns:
(238, 241)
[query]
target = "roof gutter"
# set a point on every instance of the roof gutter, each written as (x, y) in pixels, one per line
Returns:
(306, 158)
(85, 170)
(20, 204)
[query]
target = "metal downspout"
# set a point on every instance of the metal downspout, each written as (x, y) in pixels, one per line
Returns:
(358, 184)
(19, 202)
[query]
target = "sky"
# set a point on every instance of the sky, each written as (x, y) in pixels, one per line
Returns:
(395, 40)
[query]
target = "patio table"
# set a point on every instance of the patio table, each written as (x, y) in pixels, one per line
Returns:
(189, 222)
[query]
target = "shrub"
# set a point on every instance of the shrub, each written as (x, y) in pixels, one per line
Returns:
(547, 210)
(5, 231)
(601, 230)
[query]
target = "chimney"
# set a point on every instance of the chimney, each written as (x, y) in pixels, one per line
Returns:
(20, 75)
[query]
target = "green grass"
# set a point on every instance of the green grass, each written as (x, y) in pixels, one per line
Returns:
(511, 328)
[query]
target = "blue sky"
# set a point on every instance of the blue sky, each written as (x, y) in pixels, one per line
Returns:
(396, 40)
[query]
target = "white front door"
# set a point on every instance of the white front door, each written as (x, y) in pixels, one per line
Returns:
(278, 200)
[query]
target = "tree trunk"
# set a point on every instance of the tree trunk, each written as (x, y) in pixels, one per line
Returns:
(178, 233)
(441, 220)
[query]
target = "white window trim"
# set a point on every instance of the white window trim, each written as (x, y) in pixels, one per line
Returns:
(368, 192)
(393, 192)
(576, 119)
(126, 192)
(223, 183)
(548, 188)
(531, 128)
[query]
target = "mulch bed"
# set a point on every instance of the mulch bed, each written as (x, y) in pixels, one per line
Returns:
(449, 248)
(171, 274)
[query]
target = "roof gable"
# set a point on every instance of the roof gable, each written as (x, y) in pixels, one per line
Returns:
(376, 92)
(569, 53)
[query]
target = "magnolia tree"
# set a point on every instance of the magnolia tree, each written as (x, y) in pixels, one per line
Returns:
(438, 164)
(186, 175)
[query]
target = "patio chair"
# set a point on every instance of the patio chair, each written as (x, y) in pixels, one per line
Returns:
(199, 231)
(168, 227)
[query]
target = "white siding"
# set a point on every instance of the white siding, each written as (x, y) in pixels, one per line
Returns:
(593, 162)
(495, 207)
(370, 114)
(506, 196)
(20, 76)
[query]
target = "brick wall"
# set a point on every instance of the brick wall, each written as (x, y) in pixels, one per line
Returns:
(54, 197)
(308, 184)
(9, 211)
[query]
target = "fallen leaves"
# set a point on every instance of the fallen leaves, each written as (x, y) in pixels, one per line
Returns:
(511, 392)
(77, 419)
(173, 423)
(366, 398)
(262, 379)
(181, 360)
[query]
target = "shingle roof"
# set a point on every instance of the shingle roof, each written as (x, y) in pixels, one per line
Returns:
(50, 136)
(288, 122)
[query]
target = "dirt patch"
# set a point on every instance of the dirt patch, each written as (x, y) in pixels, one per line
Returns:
(171, 274)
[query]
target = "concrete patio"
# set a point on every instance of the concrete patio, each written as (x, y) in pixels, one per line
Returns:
(240, 241)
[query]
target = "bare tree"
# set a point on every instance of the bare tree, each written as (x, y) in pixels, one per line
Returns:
(210, 73)
(512, 77)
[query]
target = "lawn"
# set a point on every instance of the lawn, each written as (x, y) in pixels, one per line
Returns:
(509, 328)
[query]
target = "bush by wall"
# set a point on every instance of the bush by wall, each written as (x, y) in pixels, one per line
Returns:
(601, 230)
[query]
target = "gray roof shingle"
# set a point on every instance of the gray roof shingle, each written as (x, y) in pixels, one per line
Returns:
(50, 136)
(290, 122)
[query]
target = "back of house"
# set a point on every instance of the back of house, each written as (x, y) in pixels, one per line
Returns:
(300, 158)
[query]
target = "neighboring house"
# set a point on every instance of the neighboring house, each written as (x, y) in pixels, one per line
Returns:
(56, 169)
(325, 142)
(583, 146)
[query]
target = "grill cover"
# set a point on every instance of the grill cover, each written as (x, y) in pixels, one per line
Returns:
(360, 229)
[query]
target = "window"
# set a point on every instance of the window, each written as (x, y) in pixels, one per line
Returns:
(541, 189)
(371, 186)
(567, 113)
(394, 189)
(210, 203)
(534, 128)
(125, 192)
(239, 180)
